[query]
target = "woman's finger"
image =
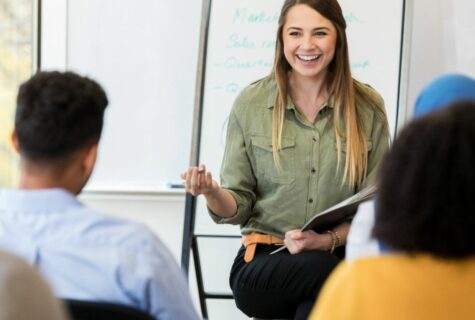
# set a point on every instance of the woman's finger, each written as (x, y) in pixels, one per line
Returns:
(194, 181)
(209, 180)
(202, 179)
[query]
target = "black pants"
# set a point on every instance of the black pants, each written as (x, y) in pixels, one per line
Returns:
(282, 285)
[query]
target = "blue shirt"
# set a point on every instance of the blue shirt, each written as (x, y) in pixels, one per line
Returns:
(89, 256)
(359, 243)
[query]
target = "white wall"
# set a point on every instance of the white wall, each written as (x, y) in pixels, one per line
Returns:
(442, 42)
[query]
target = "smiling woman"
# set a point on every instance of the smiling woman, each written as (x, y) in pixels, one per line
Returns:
(16, 34)
(309, 46)
(298, 141)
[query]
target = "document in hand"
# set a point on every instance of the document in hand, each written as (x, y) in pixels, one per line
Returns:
(328, 218)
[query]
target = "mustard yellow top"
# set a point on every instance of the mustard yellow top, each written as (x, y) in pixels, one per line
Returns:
(399, 287)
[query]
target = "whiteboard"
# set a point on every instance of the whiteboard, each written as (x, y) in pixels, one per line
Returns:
(240, 50)
(145, 55)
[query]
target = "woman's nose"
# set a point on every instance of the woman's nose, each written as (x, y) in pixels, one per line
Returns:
(307, 42)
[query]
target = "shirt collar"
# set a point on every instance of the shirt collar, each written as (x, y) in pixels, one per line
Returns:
(44, 200)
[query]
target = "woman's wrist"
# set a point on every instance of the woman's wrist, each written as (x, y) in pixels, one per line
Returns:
(335, 241)
(221, 202)
(332, 241)
(212, 193)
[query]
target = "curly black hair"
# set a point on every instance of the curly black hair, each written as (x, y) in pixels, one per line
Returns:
(58, 113)
(426, 197)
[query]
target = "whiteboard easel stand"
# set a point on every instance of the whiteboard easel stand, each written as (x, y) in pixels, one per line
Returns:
(190, 241)
(403, 114)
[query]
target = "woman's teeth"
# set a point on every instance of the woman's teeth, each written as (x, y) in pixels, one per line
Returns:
(308, 58)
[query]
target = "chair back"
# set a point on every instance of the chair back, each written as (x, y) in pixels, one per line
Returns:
(92, 310)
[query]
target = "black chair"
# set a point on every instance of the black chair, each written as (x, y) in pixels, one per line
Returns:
(90, 310)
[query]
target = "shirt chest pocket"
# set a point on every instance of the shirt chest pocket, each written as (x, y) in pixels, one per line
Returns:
(264, 161)
(369, 144)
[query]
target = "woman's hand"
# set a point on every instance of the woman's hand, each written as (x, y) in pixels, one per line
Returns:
(199, 181)
(297, 241)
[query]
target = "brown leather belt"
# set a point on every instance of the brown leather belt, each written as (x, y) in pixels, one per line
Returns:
(251, 240)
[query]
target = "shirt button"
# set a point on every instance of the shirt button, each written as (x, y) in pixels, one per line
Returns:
(310, 200)
(314, 139)
(313, 170)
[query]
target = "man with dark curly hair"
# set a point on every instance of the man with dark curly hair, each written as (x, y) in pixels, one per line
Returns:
(85, 255)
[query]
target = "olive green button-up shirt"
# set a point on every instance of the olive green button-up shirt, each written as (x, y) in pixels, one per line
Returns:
(309, 181)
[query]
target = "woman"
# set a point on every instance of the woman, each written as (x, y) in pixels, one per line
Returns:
(425, 220)
(300, 140)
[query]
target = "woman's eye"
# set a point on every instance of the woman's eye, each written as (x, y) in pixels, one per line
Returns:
(294, 33)
(320, 33)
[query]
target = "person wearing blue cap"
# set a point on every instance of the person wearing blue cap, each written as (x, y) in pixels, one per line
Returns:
(443, 91)
(439, 93)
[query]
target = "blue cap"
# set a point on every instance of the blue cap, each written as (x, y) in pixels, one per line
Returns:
(443, 91)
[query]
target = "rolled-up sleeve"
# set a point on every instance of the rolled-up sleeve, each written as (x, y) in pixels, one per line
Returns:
(237, 176)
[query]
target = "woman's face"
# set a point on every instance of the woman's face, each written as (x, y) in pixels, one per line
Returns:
(309, 41)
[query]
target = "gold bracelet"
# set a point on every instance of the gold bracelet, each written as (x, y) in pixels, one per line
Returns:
(334, 239)
(338, 239)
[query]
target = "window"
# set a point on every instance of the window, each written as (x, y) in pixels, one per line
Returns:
(16, 64)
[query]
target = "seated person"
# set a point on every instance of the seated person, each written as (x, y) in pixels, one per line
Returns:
(24, 295)
(83, 254)
(424, 220)
(437, 94)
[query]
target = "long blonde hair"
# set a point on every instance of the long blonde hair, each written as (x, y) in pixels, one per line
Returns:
(340, 84)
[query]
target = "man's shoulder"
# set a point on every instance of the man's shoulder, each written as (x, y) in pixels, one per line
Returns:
(93, 227)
